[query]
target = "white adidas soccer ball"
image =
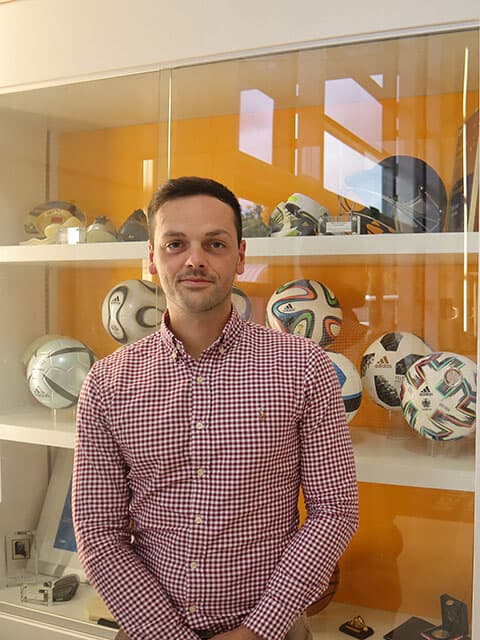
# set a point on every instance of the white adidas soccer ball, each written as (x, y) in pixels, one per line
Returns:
(307, 308)
(56, 370)
(439, 396)
(242, 303)
(350, 383)
(132, 310)
(385, 363)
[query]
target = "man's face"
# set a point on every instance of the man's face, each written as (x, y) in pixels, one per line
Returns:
(196, 253)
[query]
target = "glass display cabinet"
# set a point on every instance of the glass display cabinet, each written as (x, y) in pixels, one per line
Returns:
(357, 168)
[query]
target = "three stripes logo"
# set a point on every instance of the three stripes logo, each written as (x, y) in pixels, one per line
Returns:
(383, 363)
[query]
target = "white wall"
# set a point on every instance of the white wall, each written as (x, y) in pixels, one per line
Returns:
(52, 40)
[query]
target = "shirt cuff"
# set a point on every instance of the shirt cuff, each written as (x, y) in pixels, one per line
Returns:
(271, 619)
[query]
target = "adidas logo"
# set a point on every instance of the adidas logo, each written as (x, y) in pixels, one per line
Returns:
(383, 363)
(115, 299)
(426, 391)
(288, 307)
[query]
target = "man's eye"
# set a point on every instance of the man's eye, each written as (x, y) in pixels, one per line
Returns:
(217, 244)
(171, 246)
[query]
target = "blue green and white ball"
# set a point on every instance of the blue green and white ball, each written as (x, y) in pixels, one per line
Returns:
(439, 396)
(306, 308)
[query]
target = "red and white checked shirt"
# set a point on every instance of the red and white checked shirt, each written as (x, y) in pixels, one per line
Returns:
(207, 456)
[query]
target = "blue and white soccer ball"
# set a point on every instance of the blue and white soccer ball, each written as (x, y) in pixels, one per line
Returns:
(132, 310)
(242, 303)
(385, 363)
(56, 370)
(307, 308)
(439, 396)
(350, 383)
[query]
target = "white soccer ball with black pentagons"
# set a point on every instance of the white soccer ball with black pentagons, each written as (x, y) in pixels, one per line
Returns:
(385, 363)
(307, 308)
(439, 396)
(242, 303)
(56, 370)
(350, 383)
(132, 310)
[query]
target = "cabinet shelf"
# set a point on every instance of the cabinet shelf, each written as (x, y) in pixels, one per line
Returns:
(391, 247)
(71, 615)
(405, 460)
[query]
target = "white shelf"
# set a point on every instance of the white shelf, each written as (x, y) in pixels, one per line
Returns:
(34, 425)
(69, 615)
(386, 246)
(324, 625)
(401, 458)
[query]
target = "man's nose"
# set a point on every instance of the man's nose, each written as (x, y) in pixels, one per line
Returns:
(196, 258)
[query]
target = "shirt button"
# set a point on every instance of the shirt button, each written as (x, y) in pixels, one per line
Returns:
(198, 520)
(200, 379)
(200, 425)
(193, 565)
(192, 608)
(200, 472)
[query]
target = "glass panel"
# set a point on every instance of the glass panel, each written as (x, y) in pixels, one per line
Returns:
(372, 146)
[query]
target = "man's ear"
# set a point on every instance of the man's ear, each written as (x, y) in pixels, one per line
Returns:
(151, 265)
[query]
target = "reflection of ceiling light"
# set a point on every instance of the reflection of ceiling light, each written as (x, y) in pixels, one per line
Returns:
(391, 296)
(252, 273)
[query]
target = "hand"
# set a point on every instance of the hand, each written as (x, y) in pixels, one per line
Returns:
(240, 633)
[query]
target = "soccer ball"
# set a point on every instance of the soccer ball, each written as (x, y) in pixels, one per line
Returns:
(350, 383)
(132, 310)
(298, 216)
(439, 395)
(56, 370)
(306, 308)
(242, 303)
(385, 363)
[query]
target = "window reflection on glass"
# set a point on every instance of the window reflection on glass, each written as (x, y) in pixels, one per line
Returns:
(310, 161)
(341, 162)
(353, 107)
(256, 124)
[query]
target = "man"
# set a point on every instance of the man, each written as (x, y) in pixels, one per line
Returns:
(200, 435)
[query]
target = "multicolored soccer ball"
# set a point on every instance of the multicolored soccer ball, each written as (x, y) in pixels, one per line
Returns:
(242, 303)
(56, 370)
(132, 310)
(306, 308)
(385, 363)
(439, 396)
(350, 382)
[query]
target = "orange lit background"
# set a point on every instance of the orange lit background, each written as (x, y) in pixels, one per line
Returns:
(414, 544)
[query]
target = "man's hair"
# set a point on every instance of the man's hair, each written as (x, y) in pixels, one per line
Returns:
(193, 186)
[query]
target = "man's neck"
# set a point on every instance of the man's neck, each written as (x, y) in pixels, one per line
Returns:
(197, 331)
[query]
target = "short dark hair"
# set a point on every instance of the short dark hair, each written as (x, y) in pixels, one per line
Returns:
(193, 186)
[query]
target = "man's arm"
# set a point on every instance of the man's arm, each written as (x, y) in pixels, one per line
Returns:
(330, 491)
(100, 500)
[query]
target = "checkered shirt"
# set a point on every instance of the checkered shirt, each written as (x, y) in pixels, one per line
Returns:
(206, 458)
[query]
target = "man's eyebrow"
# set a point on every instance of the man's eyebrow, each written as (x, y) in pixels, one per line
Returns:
(179, 234)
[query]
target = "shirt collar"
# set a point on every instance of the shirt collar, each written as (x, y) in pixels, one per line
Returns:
(225, 340)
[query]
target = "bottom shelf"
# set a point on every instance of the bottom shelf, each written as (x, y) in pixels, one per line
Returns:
(325, 625)
(72, 616)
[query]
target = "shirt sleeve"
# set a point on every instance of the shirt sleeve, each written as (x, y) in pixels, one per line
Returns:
(330, 491)
(100, 499)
